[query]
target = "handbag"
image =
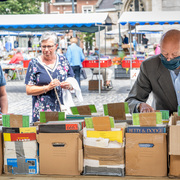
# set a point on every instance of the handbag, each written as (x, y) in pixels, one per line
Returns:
(83, 73)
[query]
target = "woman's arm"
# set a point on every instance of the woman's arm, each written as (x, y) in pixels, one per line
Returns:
(3, 100)
(35, 90)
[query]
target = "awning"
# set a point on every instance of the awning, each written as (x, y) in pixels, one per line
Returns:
(52, 22)
(142, 18)
(24, 34)
(116, 31)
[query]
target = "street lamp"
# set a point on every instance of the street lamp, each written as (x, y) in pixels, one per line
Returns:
(118, 5)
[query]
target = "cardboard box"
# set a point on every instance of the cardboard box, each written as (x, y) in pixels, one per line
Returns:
(174, 136)
(20, 157)
(94, 84)
(60, 153)
(1, 154)
(146, 154)
(174, 165)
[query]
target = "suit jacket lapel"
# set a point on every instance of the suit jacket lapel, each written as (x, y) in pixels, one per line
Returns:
(166, 84)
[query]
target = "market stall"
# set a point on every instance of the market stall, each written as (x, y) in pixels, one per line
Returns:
(91, 22)
(148, 18)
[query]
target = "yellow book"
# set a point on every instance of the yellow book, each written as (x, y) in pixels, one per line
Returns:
(111, 135)
(27, 130)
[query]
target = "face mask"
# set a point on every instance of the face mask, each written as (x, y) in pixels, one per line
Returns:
(172, 64)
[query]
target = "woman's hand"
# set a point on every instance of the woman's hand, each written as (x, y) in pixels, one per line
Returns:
(66, 85)
(53, 84)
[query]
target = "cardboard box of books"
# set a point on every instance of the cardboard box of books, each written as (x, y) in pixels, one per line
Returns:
(174, 135)
(60, 147)
(146, 146)
(20, 151)
(103, 147)
(60, 153)
(174, 142)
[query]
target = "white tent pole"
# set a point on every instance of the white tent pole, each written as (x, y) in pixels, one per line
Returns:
(130, 57)
(135, 39)
(105, 39)
(99, 59)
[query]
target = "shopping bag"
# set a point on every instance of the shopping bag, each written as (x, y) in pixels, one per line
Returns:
(83, 73)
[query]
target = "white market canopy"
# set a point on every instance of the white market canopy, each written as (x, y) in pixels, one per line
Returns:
(24, 34)
(53, 22)
(116, 31)
(150, 17)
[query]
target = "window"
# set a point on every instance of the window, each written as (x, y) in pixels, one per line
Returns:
(87, 9)
(61, 1)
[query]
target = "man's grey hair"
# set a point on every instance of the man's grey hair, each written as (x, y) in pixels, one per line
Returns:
(49, 35)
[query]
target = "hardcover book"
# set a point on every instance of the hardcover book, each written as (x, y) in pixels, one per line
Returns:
(138, 129)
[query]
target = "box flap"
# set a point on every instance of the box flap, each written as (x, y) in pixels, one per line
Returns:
(16, 120)
(147, 119)
(174, 140)
(117, 110)
(51, 116)
(101, 123)
(105, 155)
(84, 110)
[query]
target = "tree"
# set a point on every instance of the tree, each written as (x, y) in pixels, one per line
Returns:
(21, 6)
(88, 38)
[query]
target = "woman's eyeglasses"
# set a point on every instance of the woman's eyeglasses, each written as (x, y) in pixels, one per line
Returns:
(49, 47)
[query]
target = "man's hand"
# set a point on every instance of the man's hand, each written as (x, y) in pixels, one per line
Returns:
(143, 108)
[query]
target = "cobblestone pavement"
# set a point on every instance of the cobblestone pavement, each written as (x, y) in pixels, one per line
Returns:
(21, 103)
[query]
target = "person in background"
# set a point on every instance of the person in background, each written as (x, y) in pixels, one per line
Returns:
(145, 42)
(29, 43)
(157, 49)
(3, 94)
(16, 44)
(135, 44)
(75, 57)
(63, 44)
(17, 58)
(46, 77)
(125, 40)
(8, 46)
(160, 75)
(59, 51)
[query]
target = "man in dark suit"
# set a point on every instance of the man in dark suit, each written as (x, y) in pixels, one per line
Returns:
(159, 75)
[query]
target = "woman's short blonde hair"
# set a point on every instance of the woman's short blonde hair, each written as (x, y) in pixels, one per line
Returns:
(73, 40)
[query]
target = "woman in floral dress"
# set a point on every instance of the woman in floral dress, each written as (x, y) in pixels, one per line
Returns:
(44, 73)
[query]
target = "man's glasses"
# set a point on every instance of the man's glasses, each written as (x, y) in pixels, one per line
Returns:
(49, 47)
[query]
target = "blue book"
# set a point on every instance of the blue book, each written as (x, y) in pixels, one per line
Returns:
(138, 129)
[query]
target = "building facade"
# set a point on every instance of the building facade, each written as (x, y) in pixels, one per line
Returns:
(65, 6)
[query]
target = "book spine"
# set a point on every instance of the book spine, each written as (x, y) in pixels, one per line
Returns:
(146, 130)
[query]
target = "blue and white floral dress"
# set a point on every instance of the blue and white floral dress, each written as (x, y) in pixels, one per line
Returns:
(37, 75)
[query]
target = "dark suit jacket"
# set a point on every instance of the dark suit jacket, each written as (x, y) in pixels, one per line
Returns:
(155, 78)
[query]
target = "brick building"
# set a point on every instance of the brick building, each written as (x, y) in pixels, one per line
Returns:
(65, 6)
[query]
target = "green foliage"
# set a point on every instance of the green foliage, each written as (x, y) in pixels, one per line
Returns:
(88, 38)
(21, 6)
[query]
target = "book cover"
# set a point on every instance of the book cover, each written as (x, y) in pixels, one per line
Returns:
(19, 137)
(157, 129)
(59, 128)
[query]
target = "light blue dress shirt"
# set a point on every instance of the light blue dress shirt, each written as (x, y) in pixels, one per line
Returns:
(176, 82)
(75, 55)
(2, 78)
